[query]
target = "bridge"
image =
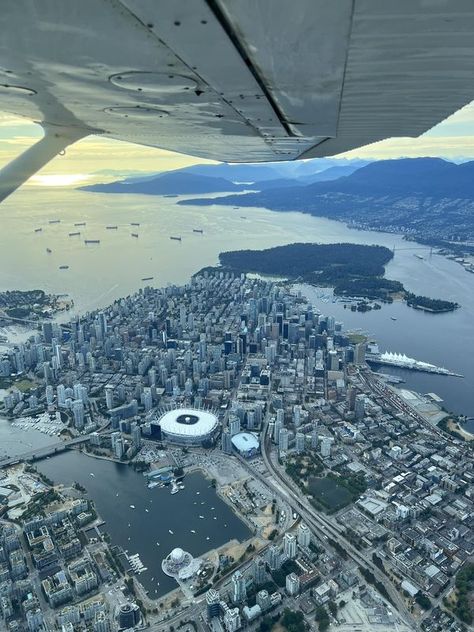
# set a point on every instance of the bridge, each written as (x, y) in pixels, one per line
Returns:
(41, 453)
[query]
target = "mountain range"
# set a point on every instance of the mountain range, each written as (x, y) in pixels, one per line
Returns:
(427, 197)
(225, 178)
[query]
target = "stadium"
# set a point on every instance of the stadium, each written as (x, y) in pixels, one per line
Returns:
(246, 444)
(189, 426)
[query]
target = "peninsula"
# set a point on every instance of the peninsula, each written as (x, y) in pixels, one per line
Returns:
(353, 270)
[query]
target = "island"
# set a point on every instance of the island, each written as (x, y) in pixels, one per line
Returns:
(353, 270)
(434, 305)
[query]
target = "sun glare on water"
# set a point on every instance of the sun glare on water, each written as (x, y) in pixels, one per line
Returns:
(58, 179)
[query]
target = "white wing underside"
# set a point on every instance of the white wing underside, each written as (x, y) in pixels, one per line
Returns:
(234, 80)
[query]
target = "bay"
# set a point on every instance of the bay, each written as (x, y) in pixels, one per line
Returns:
(116, 486)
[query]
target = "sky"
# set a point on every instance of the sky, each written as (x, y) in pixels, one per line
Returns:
(84, 161)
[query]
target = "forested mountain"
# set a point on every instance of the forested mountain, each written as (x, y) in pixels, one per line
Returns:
(419, 196)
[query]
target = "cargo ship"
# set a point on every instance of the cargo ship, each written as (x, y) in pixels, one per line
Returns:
(64, 267)
(92, 241)
(175, 238)
(134, 223)
(147, 279)
(111, 227)
(198, 230)
(54, 221)
(80, 224)
(74, 234)
(38, 230)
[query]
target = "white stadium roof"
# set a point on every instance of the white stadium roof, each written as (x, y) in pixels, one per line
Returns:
(245, 441)
(188, 422)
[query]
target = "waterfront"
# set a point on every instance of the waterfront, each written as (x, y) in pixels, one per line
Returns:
(114, 487)
(442, 339)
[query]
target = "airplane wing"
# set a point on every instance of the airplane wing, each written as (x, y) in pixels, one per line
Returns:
(233, 80)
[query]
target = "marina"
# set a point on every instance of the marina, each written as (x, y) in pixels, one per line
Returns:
(148, 530)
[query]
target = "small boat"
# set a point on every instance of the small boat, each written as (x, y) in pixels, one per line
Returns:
(198, 230)
(208, 538)
(49, 251)
(147, 278)
(193, 531)
(116, 494)
(157, 544)
(175, 238)
(74, 234)
(80, 224)
(197, 493)
(134, 223)
(134, 234)
(418, 256)
(38, 230)
(111, 227)
(64, 267)
(243, 217)
(393, 317)
(129, 538)
(175, 490)
(202, 517)
(147, 510)
(92, 241)
(128, 524)
(212, 508)
(203, 503)
(92, 474)
(132, 506)
(214, 517)
(54, 221)
(169, 530)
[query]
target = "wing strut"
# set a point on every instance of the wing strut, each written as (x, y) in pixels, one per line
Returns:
(54, 141)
